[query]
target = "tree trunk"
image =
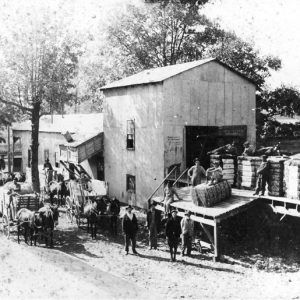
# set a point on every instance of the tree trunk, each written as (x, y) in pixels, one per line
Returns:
(35, 124)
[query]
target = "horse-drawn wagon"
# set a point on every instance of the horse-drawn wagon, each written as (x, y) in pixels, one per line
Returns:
(13, 201)
(83, 192)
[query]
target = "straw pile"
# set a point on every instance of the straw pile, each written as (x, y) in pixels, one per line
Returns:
(291, 179)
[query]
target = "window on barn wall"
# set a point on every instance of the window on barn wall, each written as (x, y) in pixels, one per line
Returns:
(130, 183)
(130, 135)
(29, 158)
(46, 154)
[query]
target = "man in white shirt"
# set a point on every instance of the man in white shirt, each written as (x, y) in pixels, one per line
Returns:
(187, 229)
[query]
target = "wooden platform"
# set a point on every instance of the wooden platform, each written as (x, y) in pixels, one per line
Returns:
(240, 201)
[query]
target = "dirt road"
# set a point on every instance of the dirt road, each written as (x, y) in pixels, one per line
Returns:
(39, 273)
(100, 269)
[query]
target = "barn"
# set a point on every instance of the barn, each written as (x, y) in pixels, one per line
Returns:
(72, 138)
(167, 116)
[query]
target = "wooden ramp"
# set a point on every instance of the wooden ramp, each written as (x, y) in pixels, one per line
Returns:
(209, 217)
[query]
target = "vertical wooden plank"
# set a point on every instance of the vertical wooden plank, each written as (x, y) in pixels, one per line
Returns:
(212, 96)
(228, 104)
(244, 105)
(236, 104)
(194, 115)
(220, 104)
(203, 102)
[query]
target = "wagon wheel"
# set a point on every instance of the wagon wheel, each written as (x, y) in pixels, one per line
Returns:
(6, 226)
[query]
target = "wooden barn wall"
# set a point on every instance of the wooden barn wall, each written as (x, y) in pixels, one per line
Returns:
(209, 95)
(143, 104)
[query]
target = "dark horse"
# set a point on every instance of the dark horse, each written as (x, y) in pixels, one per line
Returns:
(46, 219)
(90, 210)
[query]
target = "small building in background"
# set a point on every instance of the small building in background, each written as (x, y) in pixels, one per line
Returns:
(167, 116)
(73, 138)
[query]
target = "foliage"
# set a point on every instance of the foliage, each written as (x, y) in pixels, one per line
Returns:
(40, 58)
(164, 35)
(283, 101)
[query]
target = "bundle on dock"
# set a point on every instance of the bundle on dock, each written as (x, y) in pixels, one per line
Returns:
(209, 195)
(276, 183)
(291, 179)
(247, 171)
(228, 163)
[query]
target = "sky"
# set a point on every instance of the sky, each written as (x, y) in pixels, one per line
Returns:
(274, 27)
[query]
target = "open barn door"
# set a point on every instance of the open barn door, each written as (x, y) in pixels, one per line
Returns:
(201, 139)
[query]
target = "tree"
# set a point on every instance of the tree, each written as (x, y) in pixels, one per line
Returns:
(173, 33)
(40, 56)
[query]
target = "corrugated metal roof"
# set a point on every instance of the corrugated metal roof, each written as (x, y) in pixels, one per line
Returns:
(160, 74)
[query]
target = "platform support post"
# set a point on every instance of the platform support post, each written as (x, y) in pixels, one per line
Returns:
(216, 242)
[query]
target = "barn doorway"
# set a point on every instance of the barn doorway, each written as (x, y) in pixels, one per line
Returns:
(201, 139)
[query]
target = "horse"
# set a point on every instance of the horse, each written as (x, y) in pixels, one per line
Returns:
(46, 219)
(113, 210)
(26, 220)
(58, 189)
(90, 210)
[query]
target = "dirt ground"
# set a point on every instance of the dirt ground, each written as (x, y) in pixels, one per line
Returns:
(260, 261)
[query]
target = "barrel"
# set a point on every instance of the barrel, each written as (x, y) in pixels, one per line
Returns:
(229, 166)
(247, 171)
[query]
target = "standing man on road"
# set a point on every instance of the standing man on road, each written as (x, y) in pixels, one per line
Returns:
(173, 231)
(153, 219)
(187, 229)
(130, 228)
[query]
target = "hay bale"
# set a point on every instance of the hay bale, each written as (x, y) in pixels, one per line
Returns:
(208, 196)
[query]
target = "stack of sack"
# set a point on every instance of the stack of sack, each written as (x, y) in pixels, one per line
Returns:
(247, 171)
(276, 184)
(228, 164)
(291, 179)
(209, 195)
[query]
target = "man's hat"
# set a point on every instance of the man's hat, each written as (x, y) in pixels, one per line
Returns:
(187, 213)
(246, 143)
(128, 207)
(174, 210)
(153, 204)
(264, 156)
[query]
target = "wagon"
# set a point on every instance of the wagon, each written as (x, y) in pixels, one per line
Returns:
(10, 204)
(79, 196)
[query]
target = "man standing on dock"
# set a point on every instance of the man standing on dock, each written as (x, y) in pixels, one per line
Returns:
(173, 231)
(263, 176)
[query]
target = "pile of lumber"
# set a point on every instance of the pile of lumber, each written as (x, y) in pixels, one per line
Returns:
(276, 183)
(228, 164)
(291, 179)
(247, 171)
(209, 195)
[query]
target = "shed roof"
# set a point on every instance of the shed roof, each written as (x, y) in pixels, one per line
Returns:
(81, 124)
(160, 74)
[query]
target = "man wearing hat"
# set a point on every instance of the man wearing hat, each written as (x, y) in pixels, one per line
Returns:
(153, 222)
(187, 229)
(263, 176)
(173, 231)
(249, 150)
(130, 228)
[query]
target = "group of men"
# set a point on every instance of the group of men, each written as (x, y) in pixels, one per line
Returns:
(174, 230)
